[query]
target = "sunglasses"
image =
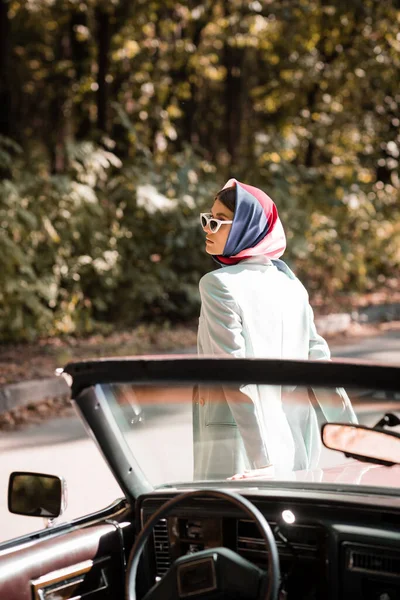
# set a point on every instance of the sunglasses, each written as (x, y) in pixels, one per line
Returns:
(207, 220)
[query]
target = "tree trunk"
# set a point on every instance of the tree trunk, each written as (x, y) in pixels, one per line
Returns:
(5, 83)
(233, 97)
(103, 45)
(60, 105)
(80, 57)
(190, 135)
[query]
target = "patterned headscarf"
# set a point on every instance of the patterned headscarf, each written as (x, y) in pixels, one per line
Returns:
(256, 229)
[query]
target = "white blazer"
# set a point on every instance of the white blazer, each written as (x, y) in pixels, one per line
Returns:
(254, 310)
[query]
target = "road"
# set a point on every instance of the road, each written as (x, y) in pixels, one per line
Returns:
(62, 446)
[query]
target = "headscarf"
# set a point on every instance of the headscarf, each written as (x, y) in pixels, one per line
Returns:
(256, 229)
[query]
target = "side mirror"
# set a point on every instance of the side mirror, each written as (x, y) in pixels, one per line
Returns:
(36, 495)
(363, 443)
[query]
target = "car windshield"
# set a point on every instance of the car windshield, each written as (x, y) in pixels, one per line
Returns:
(181, 434)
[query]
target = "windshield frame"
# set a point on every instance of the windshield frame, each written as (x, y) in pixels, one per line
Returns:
(223, 370)
(87, 378)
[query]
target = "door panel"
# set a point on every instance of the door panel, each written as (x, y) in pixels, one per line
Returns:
(87, 563)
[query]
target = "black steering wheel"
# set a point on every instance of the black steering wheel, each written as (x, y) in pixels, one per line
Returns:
(266, 592)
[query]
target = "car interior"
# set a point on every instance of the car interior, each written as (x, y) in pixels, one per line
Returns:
(249, 539)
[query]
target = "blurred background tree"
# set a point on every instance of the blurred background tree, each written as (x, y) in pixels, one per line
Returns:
(120, 119)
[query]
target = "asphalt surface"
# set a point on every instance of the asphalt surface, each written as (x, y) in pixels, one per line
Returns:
(62, 446)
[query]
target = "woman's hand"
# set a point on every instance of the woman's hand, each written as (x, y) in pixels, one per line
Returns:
(267, 472)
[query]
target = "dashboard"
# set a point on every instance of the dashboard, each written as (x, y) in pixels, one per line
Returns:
(330, 546)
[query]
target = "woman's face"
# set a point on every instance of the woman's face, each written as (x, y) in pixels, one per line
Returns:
(215, 242)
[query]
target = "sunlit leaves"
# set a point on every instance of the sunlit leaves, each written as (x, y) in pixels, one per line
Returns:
(300, 98)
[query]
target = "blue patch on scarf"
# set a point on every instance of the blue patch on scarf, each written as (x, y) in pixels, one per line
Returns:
(282, 266)
(249, 226)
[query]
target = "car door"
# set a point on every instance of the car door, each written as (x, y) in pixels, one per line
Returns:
(84, 558)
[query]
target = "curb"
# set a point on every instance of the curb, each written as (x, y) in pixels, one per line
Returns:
(381, 313)
(333, 324)
(340, 322)
(31, 392)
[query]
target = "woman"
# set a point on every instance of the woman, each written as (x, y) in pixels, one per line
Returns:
(254, 306)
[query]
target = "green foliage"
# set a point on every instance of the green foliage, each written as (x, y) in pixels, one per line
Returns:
(84, 247)
(53, 236)
(120, 120)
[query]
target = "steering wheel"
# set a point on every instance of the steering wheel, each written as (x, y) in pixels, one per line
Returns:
(268, 592)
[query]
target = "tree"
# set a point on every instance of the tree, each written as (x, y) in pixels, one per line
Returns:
(101, 100)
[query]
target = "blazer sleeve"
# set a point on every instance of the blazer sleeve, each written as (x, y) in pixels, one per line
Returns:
(221, 319)
(222, 330)
(318, 349)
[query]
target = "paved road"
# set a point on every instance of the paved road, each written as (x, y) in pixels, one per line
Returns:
(62, 446)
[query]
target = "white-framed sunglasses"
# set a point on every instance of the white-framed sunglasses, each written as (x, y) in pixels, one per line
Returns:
(207, 220)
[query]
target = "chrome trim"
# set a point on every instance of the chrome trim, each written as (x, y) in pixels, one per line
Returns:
(60, 575)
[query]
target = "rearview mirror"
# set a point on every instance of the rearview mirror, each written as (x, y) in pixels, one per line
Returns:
(366, 444)
(36, 495)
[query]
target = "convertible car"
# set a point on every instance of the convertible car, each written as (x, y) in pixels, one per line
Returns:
(197, 518)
